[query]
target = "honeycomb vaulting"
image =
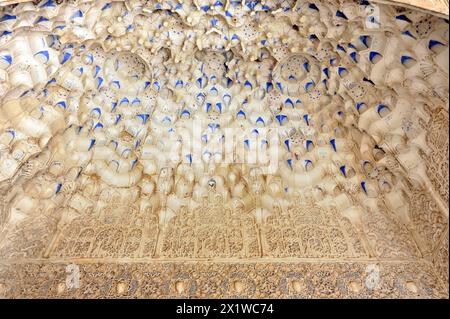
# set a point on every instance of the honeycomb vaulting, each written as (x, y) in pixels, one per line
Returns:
(208, 148)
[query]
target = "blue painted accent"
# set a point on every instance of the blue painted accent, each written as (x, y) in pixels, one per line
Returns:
(307, 163)
(213, 126)
(286, 142)
(341, 70)
(380, 107)
(306, 118)
(48, 3)
(77, 14)
(288, 101)
(404, 59)
(99, 82)
(7, 17)
(179, 83)
(58, 188)
(124, 100)
(281, 118)
(340, 14)
(98, 125)
(205, 8)
(353, 55)
(280, 87)
(409, 34)
(200, 97)
(373, 55)
(117, 83)
(363, 186)
(98, 110)
(62, 104)
(313, 6)
(219, 107)
(107, 6)
(309, 85)
(13, 134)
(133, 163)
(363, 39)
(185, 112)
(208, 107)
(228, 14)
(251, 4)
(248, 84)
(269, 86)
(45, 54)
(306, 66)
(433, 43)
(241, 113)
(7, 58)
(333, 144)
(247, 143)
(213, 90)
(260, 120)
(289, 161)
(402, 17)
(326, 72)
(144, 117)
(91, 144)
(234, 37)
(341, 48)
(342, 169)
(113, 106)
(5, 33)
(97, 70)
(189, 158)
(118, 118)
(66, 56)
(226, 99)
(136, 101)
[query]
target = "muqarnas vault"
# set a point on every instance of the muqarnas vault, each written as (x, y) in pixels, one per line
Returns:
(233, 149)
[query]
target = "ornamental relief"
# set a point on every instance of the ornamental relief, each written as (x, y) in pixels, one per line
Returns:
(211, 229)
(223, 280)
(440, 260)
(427, 218)
(437, 157)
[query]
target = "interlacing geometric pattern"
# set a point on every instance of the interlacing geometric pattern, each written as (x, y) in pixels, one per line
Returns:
(204, 148)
